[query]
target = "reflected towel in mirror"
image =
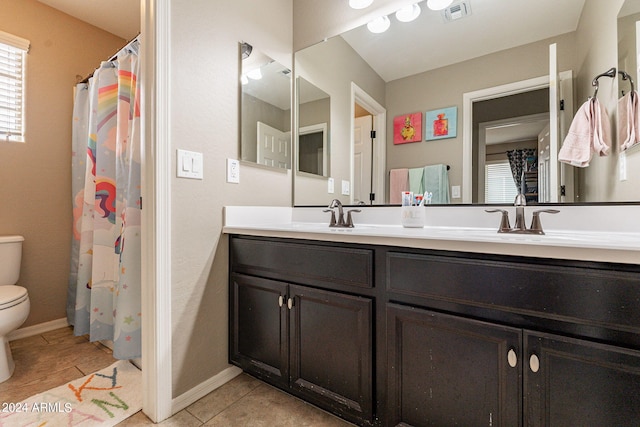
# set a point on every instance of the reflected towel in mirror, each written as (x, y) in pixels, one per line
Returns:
(628, 127)
(590, 132)
(416, 185)
(398, 182)
(436, 181)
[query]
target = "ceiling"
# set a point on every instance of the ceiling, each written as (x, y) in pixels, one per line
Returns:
(431, 42)
(119, 17)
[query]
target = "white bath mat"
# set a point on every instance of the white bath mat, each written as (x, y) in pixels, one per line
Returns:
(103, 399)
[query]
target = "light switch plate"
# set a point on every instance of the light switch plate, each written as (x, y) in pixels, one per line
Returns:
(233, 171)
(189, 164)
(622, 166)
(330, 186)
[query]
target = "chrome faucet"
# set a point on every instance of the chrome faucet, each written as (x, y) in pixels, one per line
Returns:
(335, 203)
(520, 226)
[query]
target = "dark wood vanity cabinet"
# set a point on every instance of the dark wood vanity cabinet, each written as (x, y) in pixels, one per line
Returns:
(313, 342)
(433, 338)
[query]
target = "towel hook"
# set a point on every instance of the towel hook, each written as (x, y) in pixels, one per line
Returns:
(626, 76)
(609, 73)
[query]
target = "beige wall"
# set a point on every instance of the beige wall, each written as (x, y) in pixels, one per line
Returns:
(35, 177)
(204, 118)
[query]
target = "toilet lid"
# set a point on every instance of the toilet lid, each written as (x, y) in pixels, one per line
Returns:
(11, 294)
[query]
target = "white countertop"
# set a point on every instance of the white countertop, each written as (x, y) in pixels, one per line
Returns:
(592, 233)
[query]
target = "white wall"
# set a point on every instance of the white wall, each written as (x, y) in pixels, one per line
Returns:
(204, 118)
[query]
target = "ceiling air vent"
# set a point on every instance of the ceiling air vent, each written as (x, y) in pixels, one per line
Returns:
(456, 11)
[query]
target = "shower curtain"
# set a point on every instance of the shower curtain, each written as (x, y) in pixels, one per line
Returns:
(104, 295)
(518, 163)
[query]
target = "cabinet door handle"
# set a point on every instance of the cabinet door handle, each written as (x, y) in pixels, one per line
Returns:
(534, 363)
(280, 301)
(290, 303)
(512, 358)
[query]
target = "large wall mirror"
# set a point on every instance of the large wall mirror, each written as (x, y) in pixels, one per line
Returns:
(492, 85)
(265, 109)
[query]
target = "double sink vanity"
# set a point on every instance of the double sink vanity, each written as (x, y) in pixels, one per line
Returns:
(450, 324)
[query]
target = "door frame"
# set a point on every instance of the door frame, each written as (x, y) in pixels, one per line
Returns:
(379, 151)
(155, 126)
(469, 98)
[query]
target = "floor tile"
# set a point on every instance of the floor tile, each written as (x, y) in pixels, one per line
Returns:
(223, 397)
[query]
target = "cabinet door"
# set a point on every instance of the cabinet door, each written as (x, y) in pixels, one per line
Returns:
(331, 354)
(446, 370)
(258, 328)
(580, 383)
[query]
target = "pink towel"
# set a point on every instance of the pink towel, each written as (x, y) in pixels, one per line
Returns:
(628, 126)
(590, 132)
(398, 182)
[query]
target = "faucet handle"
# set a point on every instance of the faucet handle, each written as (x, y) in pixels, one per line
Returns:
(332, 223)
(536, 225)
(349, 219)
(505, 227)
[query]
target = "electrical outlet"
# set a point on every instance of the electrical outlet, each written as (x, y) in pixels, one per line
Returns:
(233, 171)
(345, 188)
(330, 186)
(455, 191)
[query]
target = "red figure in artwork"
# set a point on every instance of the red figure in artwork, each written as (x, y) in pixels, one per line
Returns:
(441, 126)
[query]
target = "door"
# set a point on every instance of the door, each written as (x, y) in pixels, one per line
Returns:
(331, 354)
(274, 147)
(446, 370)
(362, 153)
(258, 328)
(569, 382)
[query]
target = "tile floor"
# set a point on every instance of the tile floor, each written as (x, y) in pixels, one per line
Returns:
(54, 358)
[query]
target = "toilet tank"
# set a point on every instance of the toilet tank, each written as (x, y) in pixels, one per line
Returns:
(10, 258)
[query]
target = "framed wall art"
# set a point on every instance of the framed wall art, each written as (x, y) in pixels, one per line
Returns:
(407, 128)
(442, 123)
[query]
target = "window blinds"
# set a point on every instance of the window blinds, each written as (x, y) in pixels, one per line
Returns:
(498, 183)
(13, 52)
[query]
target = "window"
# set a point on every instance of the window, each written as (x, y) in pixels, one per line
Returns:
(498, 183)
(13, 52)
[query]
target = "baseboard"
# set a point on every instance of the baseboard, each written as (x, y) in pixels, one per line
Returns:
(38, 329)
(204, 388)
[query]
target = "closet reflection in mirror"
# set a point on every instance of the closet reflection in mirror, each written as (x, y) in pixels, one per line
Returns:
(404, 73)
(265, 110)
(314, 116)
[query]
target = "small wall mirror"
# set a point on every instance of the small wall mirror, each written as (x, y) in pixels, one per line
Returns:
(314, 118)
(265, 109)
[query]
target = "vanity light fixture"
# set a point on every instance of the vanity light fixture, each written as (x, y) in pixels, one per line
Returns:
(438, 4)
(379, 25)
(408, 13)
(360, 4)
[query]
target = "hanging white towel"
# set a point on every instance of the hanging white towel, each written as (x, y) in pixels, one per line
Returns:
(590, 132)
(628, 126)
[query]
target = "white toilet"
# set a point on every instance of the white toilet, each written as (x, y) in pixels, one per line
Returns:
(14, 300)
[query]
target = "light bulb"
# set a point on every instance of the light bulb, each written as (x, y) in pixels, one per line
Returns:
(409, 13)
(438, 4)
(255, 74)
(360, 4)
(379, 25)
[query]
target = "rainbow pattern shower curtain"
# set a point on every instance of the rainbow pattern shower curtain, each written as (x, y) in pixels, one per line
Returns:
(104, 298)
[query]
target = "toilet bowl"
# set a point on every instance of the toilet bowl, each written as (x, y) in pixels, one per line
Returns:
(14, 300)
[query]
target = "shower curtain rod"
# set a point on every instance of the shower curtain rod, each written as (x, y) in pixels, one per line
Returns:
(114, 56)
